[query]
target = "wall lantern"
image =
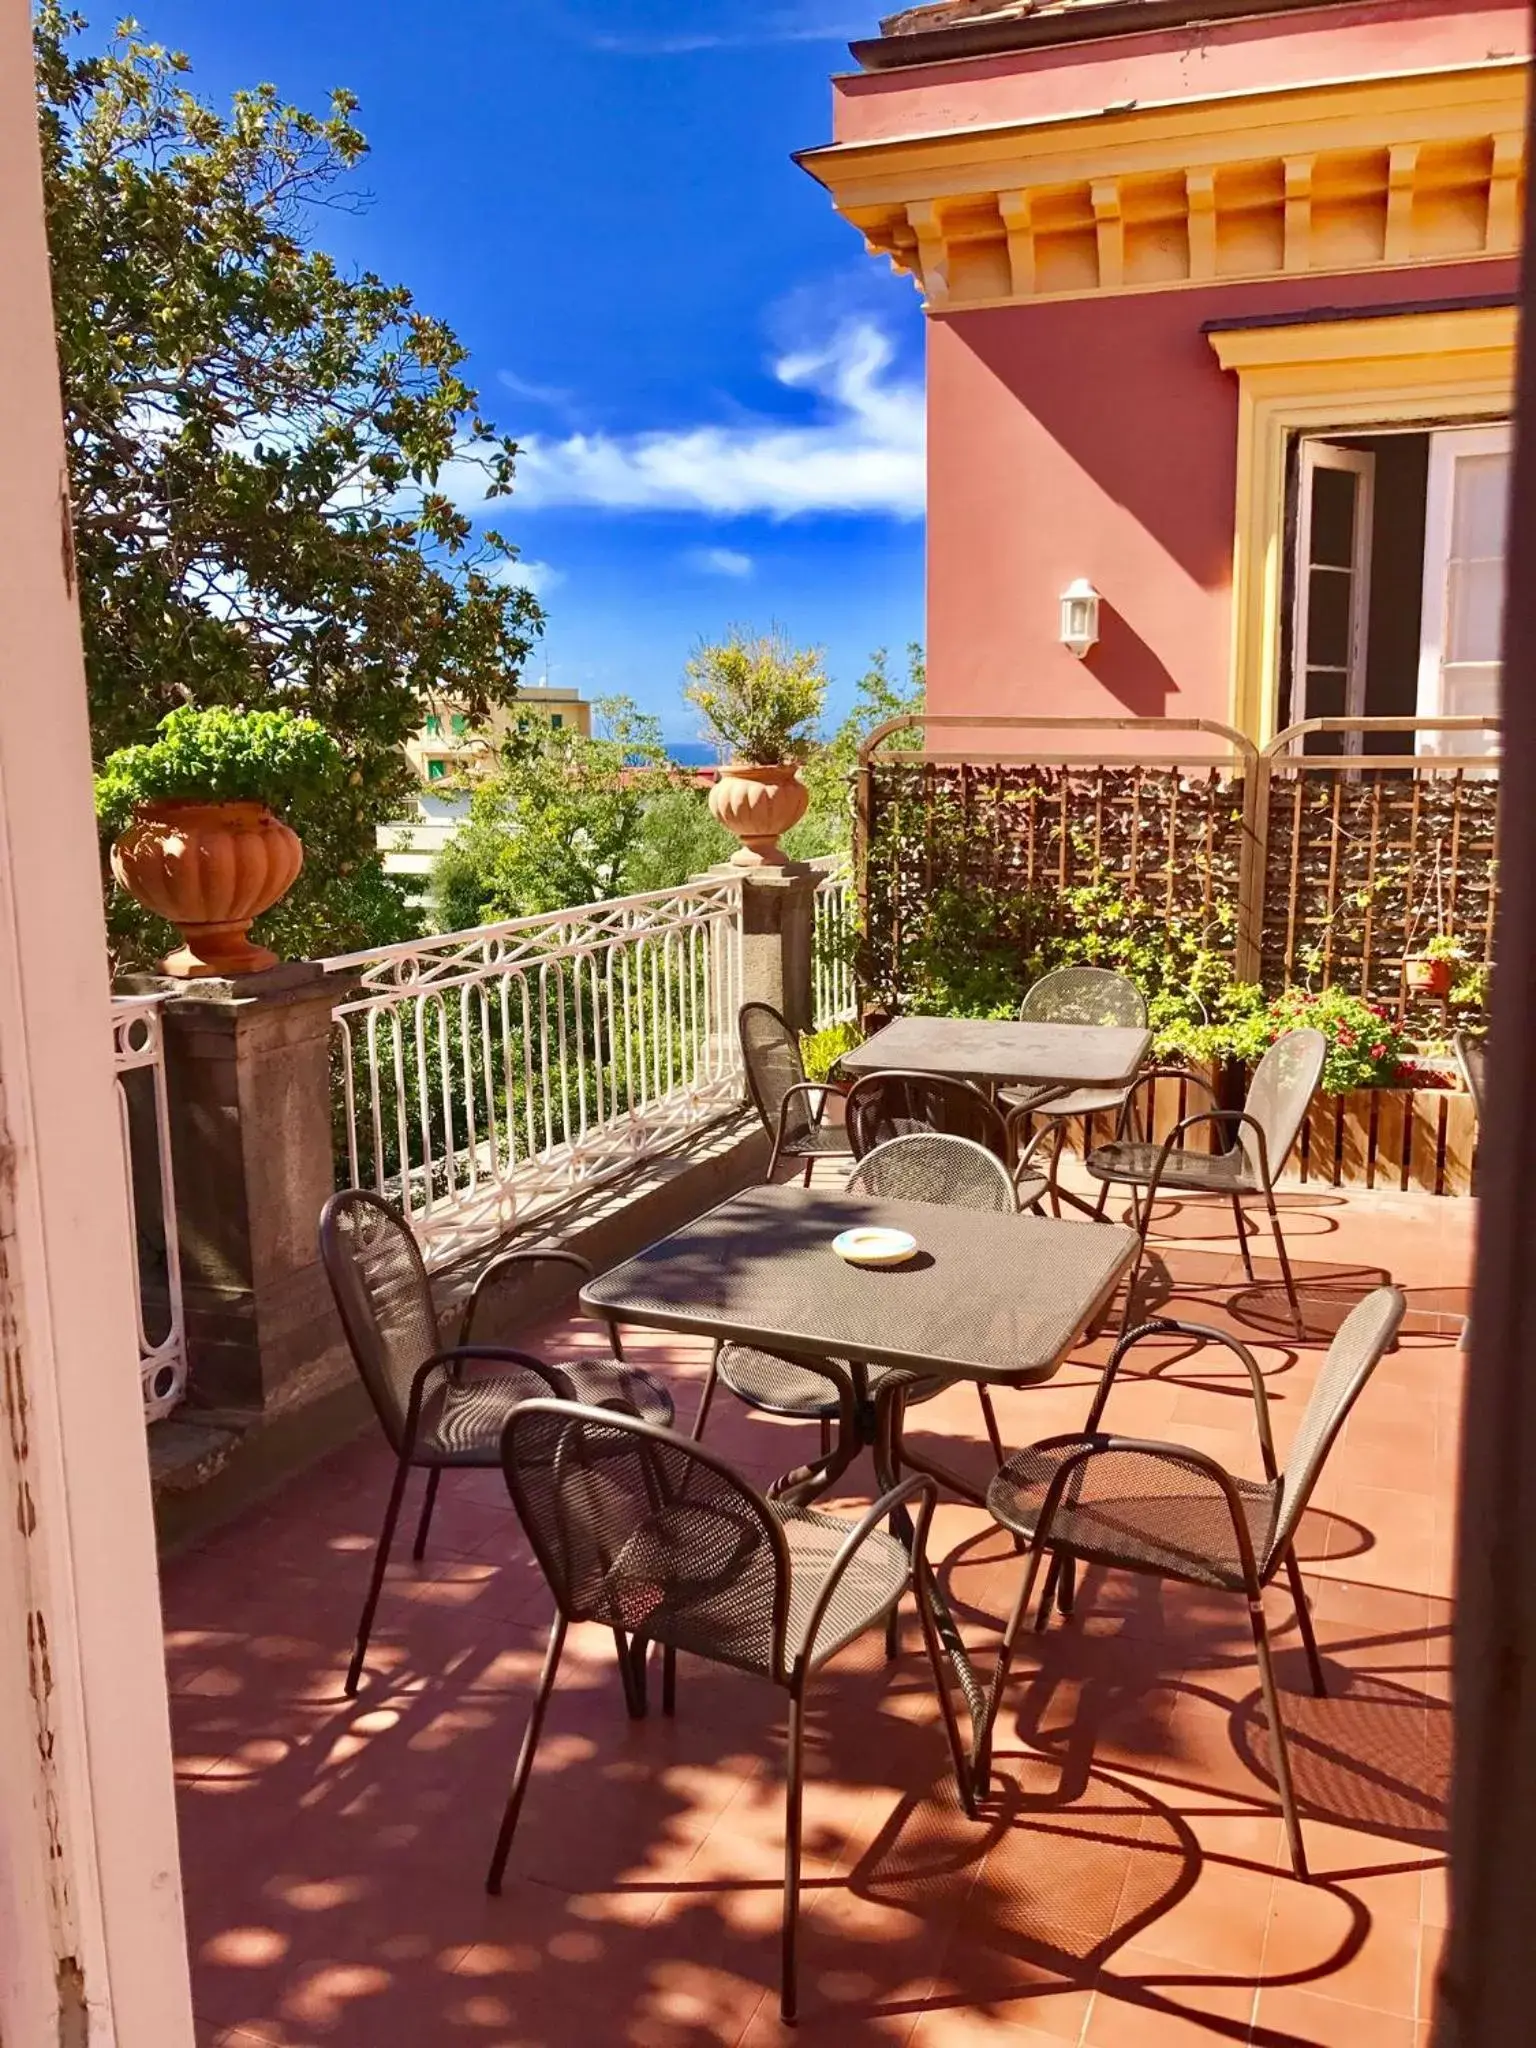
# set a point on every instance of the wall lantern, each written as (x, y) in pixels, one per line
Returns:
(1079, 617)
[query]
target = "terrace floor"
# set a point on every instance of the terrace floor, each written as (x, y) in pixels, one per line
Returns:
(1130, 1886)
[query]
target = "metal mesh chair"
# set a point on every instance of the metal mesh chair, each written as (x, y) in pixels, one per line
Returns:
(647, 1534)
(921, 1167)
(793, 1110)
(437, 1411)
(899, 1103)
(1170, 1512)
(1471, 1057)
(1263, 1133)
(1075, 995)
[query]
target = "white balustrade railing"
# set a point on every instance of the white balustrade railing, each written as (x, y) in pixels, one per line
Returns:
(485, 1075)
(138, 1052)
(834, 996)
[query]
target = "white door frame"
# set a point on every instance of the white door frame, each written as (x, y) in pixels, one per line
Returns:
(92, 1945)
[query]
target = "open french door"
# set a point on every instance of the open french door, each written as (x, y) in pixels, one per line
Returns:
(1333, 588)
(1465, 543)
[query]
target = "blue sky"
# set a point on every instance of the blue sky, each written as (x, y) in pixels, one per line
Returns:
(719, 390)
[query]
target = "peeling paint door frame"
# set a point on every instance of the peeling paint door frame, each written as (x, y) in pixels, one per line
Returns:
(92, 1943)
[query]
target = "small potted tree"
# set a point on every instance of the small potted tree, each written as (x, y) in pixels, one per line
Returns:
(195, 838)
(761, 701)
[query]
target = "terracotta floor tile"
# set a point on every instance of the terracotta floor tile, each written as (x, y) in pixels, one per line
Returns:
(965, 2028)
(1301, 2019)
(1325, 1941)
(1146, 2001)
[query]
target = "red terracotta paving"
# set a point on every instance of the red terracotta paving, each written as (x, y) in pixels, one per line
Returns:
(1130, 1886)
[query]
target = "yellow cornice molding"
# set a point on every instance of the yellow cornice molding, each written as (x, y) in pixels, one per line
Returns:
(1336, 376)
(1378, 340)
(1319, 180)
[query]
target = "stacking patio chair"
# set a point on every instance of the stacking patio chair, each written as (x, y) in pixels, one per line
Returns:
(646, 1533)
(438, 1413)
(899, 1103)
(920, 1167)
(1169, 1512)
(793, 1110)
(1075, 995)
(1471, 1057)
(1262, 1134)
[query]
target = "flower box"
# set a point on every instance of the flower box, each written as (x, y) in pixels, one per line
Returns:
(1418, 1139)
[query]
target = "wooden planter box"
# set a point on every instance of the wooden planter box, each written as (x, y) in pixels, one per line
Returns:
(1419, 1139)
(1410, 1138)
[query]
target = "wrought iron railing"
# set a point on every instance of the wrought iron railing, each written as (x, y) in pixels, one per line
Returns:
(834, 995)
(138, 1051)
(485, 1075)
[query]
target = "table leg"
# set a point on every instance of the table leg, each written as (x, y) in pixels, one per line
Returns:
(855, 1429)
(890, 1457)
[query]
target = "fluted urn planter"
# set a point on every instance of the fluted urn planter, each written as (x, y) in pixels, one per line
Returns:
(209, 869)
(759, 804)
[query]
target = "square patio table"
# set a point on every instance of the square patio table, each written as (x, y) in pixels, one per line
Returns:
(987, 1297)
(1058, 1056)
(994, 1298)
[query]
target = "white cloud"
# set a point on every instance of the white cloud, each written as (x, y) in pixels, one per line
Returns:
(539, 577)
(539, 394)
(797, 24)
(719, 562)
(863, 454)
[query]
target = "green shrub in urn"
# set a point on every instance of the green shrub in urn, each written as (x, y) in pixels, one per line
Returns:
(196, 835)
(761, 699)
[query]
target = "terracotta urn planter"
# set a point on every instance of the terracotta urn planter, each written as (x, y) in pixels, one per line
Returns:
(1429, 975)
(209, 869)
(758, 804)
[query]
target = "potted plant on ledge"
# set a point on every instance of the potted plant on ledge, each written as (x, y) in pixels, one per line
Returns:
(761, 701)
(195, 838)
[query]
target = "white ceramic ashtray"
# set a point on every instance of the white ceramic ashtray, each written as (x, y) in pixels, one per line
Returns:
(870, 1247)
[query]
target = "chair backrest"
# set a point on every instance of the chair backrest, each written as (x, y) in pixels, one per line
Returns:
(770, 1052)
(929, 1166)
(383, 1296)
(1365, 1334)
(1084, 995)
(895, 1104)
(647, 1532)
(1471, 1057)
(1284, 1083)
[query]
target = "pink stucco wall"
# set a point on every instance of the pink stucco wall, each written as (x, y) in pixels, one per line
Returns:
(1098, 438)
(1383, 37)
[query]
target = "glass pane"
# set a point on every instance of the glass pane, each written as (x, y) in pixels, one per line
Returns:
(1328, 606)
(1325, 693)
(1472, 691)
(1333, 516)
(1481, 507)
(1474, 611)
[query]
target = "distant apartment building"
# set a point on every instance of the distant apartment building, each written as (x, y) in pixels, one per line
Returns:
(448, 745)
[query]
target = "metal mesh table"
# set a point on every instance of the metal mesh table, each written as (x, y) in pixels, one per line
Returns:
(987, 1297)
(1047, 1055)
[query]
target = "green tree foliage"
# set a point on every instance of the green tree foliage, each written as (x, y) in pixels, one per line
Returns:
(569, 819)
(827, 827)
(262, 447)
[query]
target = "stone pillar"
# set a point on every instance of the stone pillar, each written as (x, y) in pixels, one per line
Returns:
(778, 928)
(249, 1078)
